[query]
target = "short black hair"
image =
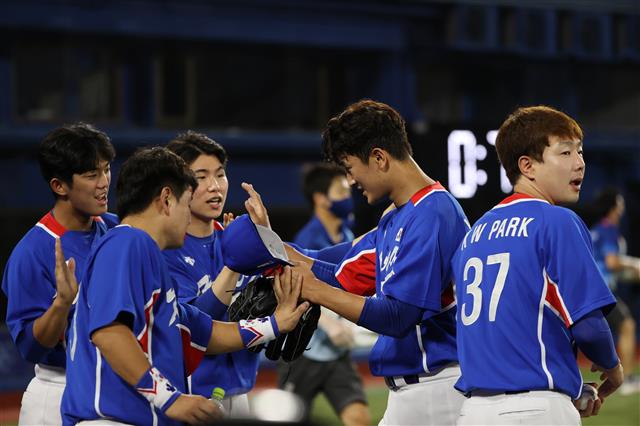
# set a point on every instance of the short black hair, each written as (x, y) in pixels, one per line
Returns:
(363, 126)
(605, 200)
(318, 178)
(145, 173)
(73, 149)
(190, 145)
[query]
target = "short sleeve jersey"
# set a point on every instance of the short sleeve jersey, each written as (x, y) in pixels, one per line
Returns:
(414, 245)
(524, 274)
(194, 267)
(29, 280)
(127, 275)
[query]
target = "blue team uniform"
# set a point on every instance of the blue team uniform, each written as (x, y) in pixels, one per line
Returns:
(314, 236)
(29, 280)
(356, 272)
(605, 241)
(194, 267)
(127, 275)
(524, 274)
(414, 245)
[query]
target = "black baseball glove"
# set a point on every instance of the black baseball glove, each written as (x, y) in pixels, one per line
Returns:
(257, 299)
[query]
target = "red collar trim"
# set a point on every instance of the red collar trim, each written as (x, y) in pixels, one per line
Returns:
(520, 197)
(51, 225)
(418, 196)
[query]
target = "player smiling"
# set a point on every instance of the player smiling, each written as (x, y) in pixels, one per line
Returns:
(413, 309)
(75, 162)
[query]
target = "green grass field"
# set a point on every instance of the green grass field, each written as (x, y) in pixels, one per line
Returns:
(617, 411)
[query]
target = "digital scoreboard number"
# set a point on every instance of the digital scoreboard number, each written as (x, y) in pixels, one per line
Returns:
(463, 158)
(464, 154)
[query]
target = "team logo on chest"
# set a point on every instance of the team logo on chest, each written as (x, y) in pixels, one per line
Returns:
(399, 235)
(190, 260)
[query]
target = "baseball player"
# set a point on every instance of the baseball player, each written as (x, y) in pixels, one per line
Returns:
(609, 252)
(75, 162)
(202, 279)
(414, 244)
(131, 342)
(528, 288)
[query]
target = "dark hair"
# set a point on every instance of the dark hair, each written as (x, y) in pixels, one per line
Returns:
(145, 173)
(73, 149)
(318, 178)
(190, 145)
(363, 126)
(526, 132)
(606, 199)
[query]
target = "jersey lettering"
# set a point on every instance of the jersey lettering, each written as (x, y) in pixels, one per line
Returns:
(475, 291)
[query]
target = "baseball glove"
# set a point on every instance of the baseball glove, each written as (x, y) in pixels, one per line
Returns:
(257, 299)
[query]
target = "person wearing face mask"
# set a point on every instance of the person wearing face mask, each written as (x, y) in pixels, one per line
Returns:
(328, 193)
(326, 366)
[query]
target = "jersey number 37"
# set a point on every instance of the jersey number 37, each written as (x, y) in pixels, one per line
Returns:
(475, 291)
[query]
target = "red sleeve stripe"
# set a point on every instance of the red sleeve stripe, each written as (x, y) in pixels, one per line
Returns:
(144, 338)
(192, 352)
(357, 274)
(370, 253)
(554, 301)
(448, 298)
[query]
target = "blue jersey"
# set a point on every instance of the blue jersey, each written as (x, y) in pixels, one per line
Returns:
(414, 247)
(194, 267)
(127, 275)
(314, 236)
(29, 280)
(605, 242)
(356, 272)
(524, 274)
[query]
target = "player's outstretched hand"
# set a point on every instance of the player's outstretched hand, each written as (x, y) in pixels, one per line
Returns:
(227, 218)
(255, 207)
(613, 378)
(66, 283)
(287, 287)
(194, 409)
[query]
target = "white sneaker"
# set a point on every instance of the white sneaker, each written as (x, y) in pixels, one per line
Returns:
(630, 386)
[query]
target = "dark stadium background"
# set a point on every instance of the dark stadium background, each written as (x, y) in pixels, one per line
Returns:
(263, 77)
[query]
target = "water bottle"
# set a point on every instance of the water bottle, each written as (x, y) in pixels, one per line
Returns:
(217, 396)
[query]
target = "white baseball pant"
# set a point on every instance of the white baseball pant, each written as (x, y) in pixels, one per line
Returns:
(529, 408)
(432, 401)
(41, 401)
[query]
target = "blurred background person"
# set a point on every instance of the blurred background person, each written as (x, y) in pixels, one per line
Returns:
(609, 251)
(326, 366)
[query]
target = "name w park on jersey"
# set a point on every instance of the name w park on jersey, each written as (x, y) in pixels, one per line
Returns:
(513, 227)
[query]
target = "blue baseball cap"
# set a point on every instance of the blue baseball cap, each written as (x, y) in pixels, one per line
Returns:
(251, 249)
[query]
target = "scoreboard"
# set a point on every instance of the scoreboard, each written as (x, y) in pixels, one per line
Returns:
(463, 158)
